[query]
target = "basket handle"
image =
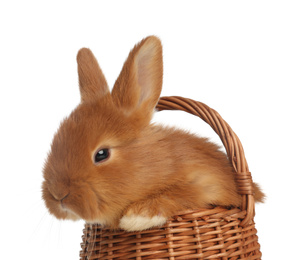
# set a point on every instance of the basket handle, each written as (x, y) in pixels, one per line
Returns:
(230, 141)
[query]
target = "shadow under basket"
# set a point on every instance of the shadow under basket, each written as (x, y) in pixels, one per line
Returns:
(214, 233)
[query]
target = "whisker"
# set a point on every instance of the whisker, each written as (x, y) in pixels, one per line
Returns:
(59, 240)
(38, 226)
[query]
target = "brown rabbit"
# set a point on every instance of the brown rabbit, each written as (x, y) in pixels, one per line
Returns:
(109, 165)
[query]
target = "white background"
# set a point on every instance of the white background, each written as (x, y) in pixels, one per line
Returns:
(243, 58)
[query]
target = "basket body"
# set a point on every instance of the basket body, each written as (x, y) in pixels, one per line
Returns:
(205, 234)
(214, 233)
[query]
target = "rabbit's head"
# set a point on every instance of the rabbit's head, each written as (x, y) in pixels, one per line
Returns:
(89, 173)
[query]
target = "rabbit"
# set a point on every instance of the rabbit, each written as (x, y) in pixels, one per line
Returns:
(109, 164)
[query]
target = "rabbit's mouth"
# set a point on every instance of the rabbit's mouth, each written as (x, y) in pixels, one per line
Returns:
(66, 209)
(60, 208)
(69, 214)
(73, 202)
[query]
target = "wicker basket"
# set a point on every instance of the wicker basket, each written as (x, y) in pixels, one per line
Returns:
(217, 233)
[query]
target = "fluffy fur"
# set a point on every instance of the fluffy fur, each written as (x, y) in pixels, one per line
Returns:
(152, 172)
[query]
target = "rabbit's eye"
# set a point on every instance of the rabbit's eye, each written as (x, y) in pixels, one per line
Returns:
(101, 155)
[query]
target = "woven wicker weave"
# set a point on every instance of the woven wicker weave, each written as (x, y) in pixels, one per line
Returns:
(216, 233)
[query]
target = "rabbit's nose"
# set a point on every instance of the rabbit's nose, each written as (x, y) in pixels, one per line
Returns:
(59, 194)
(63, 204)
(59, 189)
(64, 197)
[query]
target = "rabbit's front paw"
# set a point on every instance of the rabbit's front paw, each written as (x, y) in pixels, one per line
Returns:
(134, 222)
(144, 215)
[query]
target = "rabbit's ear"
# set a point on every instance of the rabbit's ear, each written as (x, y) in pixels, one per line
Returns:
(92, 82)
(138, 87)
